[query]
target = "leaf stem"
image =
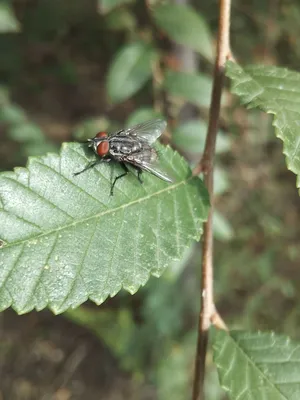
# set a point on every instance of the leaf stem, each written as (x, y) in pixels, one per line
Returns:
(208, 313)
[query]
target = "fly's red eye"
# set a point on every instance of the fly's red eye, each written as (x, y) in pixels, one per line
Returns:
(102, 148)
(101, 135)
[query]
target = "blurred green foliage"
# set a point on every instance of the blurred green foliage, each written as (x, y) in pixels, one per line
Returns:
(185, 26)
(93, 66)
(129, 71)
(8, 21)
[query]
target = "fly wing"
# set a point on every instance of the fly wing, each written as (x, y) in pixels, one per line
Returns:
(147, 160)
(149, 130)
(154, 170)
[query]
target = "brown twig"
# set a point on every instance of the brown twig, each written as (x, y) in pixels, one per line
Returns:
(208, 313)
(157, 79)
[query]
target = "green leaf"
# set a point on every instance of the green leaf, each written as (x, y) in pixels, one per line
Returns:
(20, 129)
(8, 21)
(221, 181)
(192, 87)
(185, 26)
(115, 328)
(31, 137)
(141, 115)
(37, 148)
(121, 19)
(66, 240)
(276, 91)
(222, 228)
(258, 366)
(4, 96)
(12, 114)
(130, 70)
(90, 126)
(26, 131)
(105, 6)
(190, 136)
(176, 363)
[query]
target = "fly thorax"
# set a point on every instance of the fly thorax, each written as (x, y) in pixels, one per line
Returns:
(124, 145)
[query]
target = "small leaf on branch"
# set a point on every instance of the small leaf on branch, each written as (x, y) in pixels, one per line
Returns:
(276, 91)
(257, 366)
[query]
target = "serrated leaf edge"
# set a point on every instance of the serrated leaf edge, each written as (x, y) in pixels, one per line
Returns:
(56, 309)
(235, 90)
(249, 360)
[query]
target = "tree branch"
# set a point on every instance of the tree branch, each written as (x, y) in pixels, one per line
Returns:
(208, 313)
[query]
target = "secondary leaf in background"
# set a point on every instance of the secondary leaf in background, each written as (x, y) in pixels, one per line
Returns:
(222, 228)
(141, 115)
(11, 114)
(221, 180)
(20, 129)
(192, 87)
(257, 366)
(8, 21)
(276, 91)
(66, 239)
(105, 6)
(26, 132)
(185, 26)
(130, 70)
(90, 126)
(121, 19)
(115, 328)
(179, 360)
(190, 137)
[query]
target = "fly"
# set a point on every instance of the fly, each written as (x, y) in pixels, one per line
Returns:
(132, 146)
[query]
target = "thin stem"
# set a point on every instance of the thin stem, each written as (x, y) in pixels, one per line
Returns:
(208, 313)
(156, 85)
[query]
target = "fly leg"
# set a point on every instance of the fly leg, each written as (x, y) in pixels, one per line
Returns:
(118, 177)
(140, 171)
(90, 165)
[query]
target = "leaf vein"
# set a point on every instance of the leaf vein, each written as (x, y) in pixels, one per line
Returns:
(108, 211)
(176, 223)
(190, 207)
(39, 278)
(103, 176)
(113, 253)
(31, 191)
(138, 229)
(78, 272)
(22, 219)
(72, 183)
(12, 268)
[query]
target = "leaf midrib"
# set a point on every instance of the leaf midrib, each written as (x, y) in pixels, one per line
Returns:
(100, 214)
(254, 364)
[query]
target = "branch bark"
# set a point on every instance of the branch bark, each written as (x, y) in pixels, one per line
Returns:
(208, 313)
